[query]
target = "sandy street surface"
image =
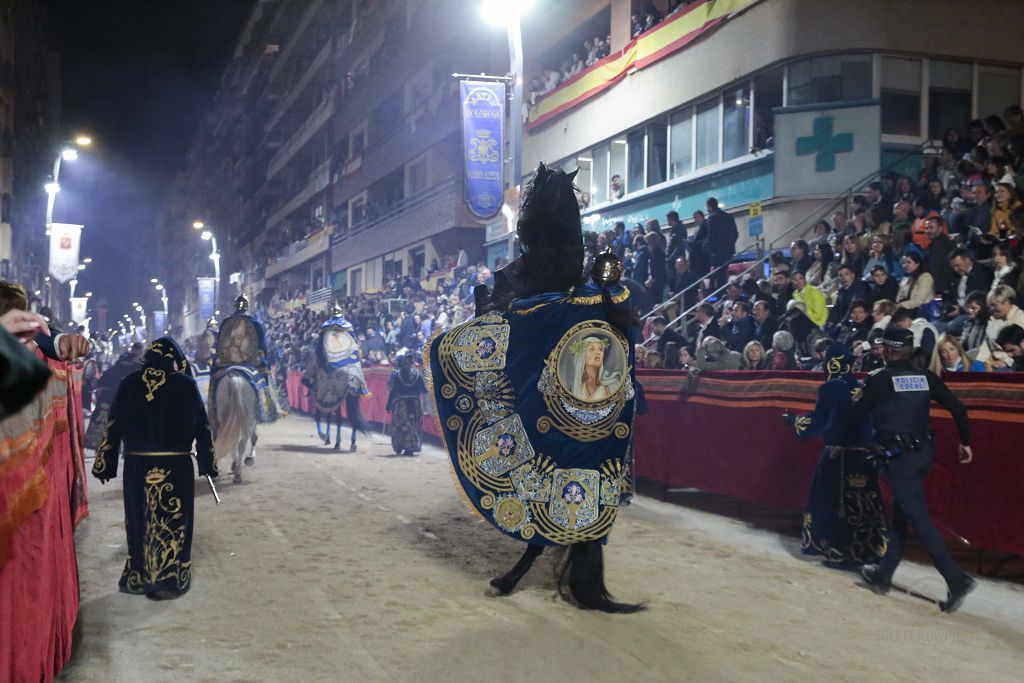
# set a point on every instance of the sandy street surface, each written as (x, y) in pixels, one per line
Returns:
(326, 566)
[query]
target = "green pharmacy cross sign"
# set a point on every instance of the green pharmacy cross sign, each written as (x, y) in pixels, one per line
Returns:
(824, 145)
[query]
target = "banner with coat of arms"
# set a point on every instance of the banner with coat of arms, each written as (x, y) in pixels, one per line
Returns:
(483, 137)
(65, 239)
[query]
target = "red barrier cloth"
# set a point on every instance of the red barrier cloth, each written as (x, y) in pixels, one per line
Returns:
(372, 405)
(723, 433)
(38, 569)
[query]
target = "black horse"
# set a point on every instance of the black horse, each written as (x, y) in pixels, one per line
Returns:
(551, 239)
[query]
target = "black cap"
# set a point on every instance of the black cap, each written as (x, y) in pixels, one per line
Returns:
(898, 337)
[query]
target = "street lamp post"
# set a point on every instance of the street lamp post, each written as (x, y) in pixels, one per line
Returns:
(68, 152)
(509, 14)
(214, 256)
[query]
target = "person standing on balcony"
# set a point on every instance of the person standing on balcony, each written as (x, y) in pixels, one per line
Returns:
(722, 236)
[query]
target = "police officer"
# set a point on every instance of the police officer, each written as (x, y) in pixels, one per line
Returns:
(898, 398)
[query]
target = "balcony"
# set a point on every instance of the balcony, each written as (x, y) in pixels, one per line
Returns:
(293, 38)
(388, 71)
(418, 217)
(399, 146)
(317, 118)
(316, 181)
(289, 99)
(299, 252)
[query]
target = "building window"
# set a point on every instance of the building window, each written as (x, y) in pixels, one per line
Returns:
(617, 169)
(767, 96)
(835, 78)
(998, 87)
(901, 96)
(357, 210)
(657, 153)
(735, 122)
(355, 280)
(681, 154)
(949, 96)
(5, 208)
(584, 162)
(707, 133)
(357, 140)
(416, 176)
(635, 143)
(599, 174)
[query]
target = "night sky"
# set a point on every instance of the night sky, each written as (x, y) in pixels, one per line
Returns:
(137, 75)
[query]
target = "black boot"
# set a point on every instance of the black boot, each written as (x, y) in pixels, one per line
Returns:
(874, 580)
(958, 590)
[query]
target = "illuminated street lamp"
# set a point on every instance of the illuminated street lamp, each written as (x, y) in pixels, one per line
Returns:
(207, 235)
(67, 152)
(509, 13)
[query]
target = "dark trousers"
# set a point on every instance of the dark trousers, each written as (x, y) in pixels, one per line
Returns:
(905, 476)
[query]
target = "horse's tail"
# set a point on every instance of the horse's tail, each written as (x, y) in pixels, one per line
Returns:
(582, 576)
(236, 413)
(354, 411)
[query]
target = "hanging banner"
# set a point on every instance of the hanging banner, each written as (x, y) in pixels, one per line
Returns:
(207, 293)
(64, 241)
(79, 305)
(483, 138)
(159, 322)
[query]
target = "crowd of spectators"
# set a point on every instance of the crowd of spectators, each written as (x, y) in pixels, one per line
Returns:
(402, 315)
(938, 254)
(597, 48)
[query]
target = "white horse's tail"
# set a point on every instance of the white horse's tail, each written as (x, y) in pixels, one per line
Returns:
(236, 414)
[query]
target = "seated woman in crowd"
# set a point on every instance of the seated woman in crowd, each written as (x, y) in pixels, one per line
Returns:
(1004, 267)
(754, 357)
(1007, 213)
(954, 358)
(783, 357)
(975, 329)
(1004, 312)
(854, 254)
(879, 255)
(883, 286)
(822, 271)
(917, 288)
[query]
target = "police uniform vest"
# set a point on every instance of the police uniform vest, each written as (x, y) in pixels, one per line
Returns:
(905, 410)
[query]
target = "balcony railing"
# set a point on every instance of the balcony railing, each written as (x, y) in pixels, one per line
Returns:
(316, 181)
(317, 118)
(399, 208)
(322, 55)
(294, 37)
(297, 253)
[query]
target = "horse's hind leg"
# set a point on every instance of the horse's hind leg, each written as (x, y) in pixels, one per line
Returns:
(250, 459)
(352, 448)
(506, 583)
(337, 426)
(236, 461)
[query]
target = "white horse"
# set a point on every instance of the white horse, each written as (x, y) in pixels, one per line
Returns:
(236, 417)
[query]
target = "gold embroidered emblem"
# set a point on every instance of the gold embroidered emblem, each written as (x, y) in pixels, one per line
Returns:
(153, 379)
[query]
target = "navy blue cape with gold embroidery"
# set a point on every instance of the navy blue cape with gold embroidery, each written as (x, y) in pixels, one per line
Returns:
(536, 409)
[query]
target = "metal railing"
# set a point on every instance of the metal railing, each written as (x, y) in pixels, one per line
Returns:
(764, 253)
(400, 207)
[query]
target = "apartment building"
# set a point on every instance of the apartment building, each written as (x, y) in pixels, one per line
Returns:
(29, 109)
(330, 158)
(783, 102)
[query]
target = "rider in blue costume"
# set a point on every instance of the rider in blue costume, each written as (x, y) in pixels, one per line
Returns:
(242, 347)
